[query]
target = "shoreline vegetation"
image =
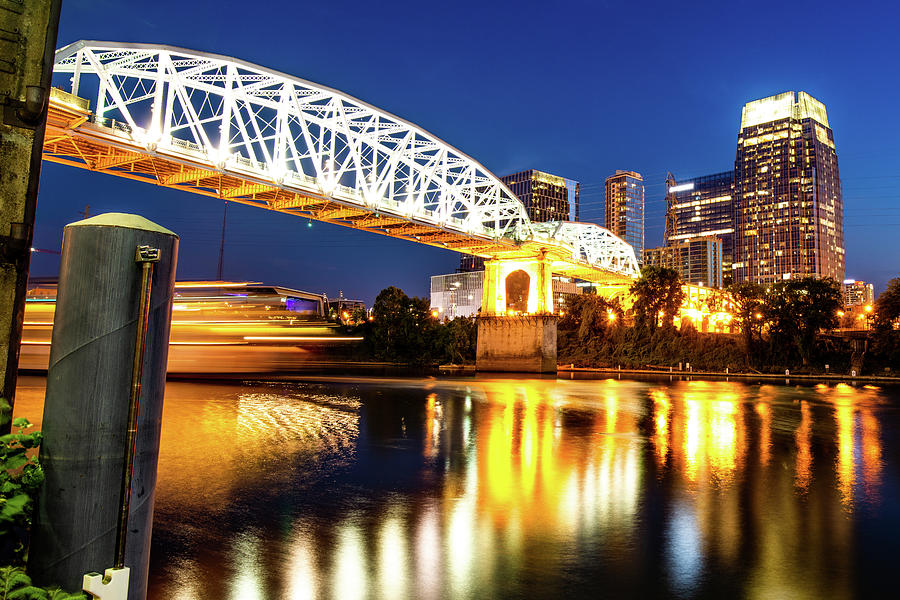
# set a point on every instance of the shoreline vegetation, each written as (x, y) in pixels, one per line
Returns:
(836, 377)
(785, 327)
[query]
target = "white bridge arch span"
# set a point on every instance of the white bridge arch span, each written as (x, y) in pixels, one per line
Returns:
(225, 128)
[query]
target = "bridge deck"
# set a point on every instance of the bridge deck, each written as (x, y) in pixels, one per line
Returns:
(74, 138)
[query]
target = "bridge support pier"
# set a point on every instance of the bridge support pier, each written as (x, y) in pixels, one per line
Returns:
(517, 330)
(521, 344)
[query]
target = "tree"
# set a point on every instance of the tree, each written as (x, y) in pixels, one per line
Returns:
(799, 308)
(658, 297)
(458, 340)
(750, 299)
(590, 316)
(403, 328)
(358, 316)
(887, 307)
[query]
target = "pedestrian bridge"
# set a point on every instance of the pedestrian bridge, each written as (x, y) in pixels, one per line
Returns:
(221, 127)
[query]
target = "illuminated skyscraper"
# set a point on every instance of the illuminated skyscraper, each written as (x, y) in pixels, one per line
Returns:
(546, 198)
(625, 209)
(788, 216)
(701, 207)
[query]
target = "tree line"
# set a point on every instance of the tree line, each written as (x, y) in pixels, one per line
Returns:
(403, 329)
(786, 325)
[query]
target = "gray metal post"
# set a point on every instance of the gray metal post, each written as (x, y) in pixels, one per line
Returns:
(86, 411)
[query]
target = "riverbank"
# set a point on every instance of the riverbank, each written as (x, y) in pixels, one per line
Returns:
(388, 369)
(838, 377)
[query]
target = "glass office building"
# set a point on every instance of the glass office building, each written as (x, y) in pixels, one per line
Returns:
(700, 208)
(624, 209)
(788, 214)
(546, 197)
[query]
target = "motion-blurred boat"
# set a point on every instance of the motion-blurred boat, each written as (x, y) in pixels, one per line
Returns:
(219, 327)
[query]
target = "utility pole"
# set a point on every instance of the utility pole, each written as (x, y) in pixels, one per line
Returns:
(27, 47)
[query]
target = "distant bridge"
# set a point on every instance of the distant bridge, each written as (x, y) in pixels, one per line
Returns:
(225, 128)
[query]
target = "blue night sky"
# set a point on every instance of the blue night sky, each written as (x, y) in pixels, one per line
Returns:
(578, 89)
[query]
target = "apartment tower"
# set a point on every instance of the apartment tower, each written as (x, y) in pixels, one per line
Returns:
(788, 215)
(625, 209)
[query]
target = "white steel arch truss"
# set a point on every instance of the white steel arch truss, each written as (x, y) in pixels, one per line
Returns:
(280, 130)
(592, 244)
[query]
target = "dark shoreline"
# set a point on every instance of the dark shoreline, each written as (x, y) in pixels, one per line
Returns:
(385, 369)
(833, 377)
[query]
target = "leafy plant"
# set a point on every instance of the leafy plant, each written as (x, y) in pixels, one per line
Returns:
(20, 477)
(16, 585)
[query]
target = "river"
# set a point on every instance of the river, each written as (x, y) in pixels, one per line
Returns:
(512, 488)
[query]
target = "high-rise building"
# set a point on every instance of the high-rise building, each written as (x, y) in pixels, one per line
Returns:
(546, 198)
(698, 260)
(625, 209)
(701, 207)
(858, 293)
(788, 216)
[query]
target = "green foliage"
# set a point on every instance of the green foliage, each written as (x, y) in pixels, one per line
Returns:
(590, 317)
(458, 341)
(16, 585)
(637, 348)
(403, 329)
(657, 291)
(887, 307)
(780, 325)
(795, 310)
(5, 412)
(750, 299)
(358, 315)
(20, 478)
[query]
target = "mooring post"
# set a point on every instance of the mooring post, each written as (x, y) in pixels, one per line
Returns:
(95, 367)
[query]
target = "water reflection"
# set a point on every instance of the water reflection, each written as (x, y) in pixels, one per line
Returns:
(858, 441)
(484, 488)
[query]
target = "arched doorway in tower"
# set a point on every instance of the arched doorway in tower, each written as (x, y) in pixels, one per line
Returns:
(517, 284)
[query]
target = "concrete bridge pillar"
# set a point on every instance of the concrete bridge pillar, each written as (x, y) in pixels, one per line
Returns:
(517, 287)
(517, 327)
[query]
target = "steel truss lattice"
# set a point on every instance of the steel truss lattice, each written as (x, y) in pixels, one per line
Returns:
(594, 245)
(245, 120)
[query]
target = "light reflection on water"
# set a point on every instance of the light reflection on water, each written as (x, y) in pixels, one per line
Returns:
(509, 488)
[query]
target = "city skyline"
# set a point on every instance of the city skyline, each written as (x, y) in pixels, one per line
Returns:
(455, 94)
